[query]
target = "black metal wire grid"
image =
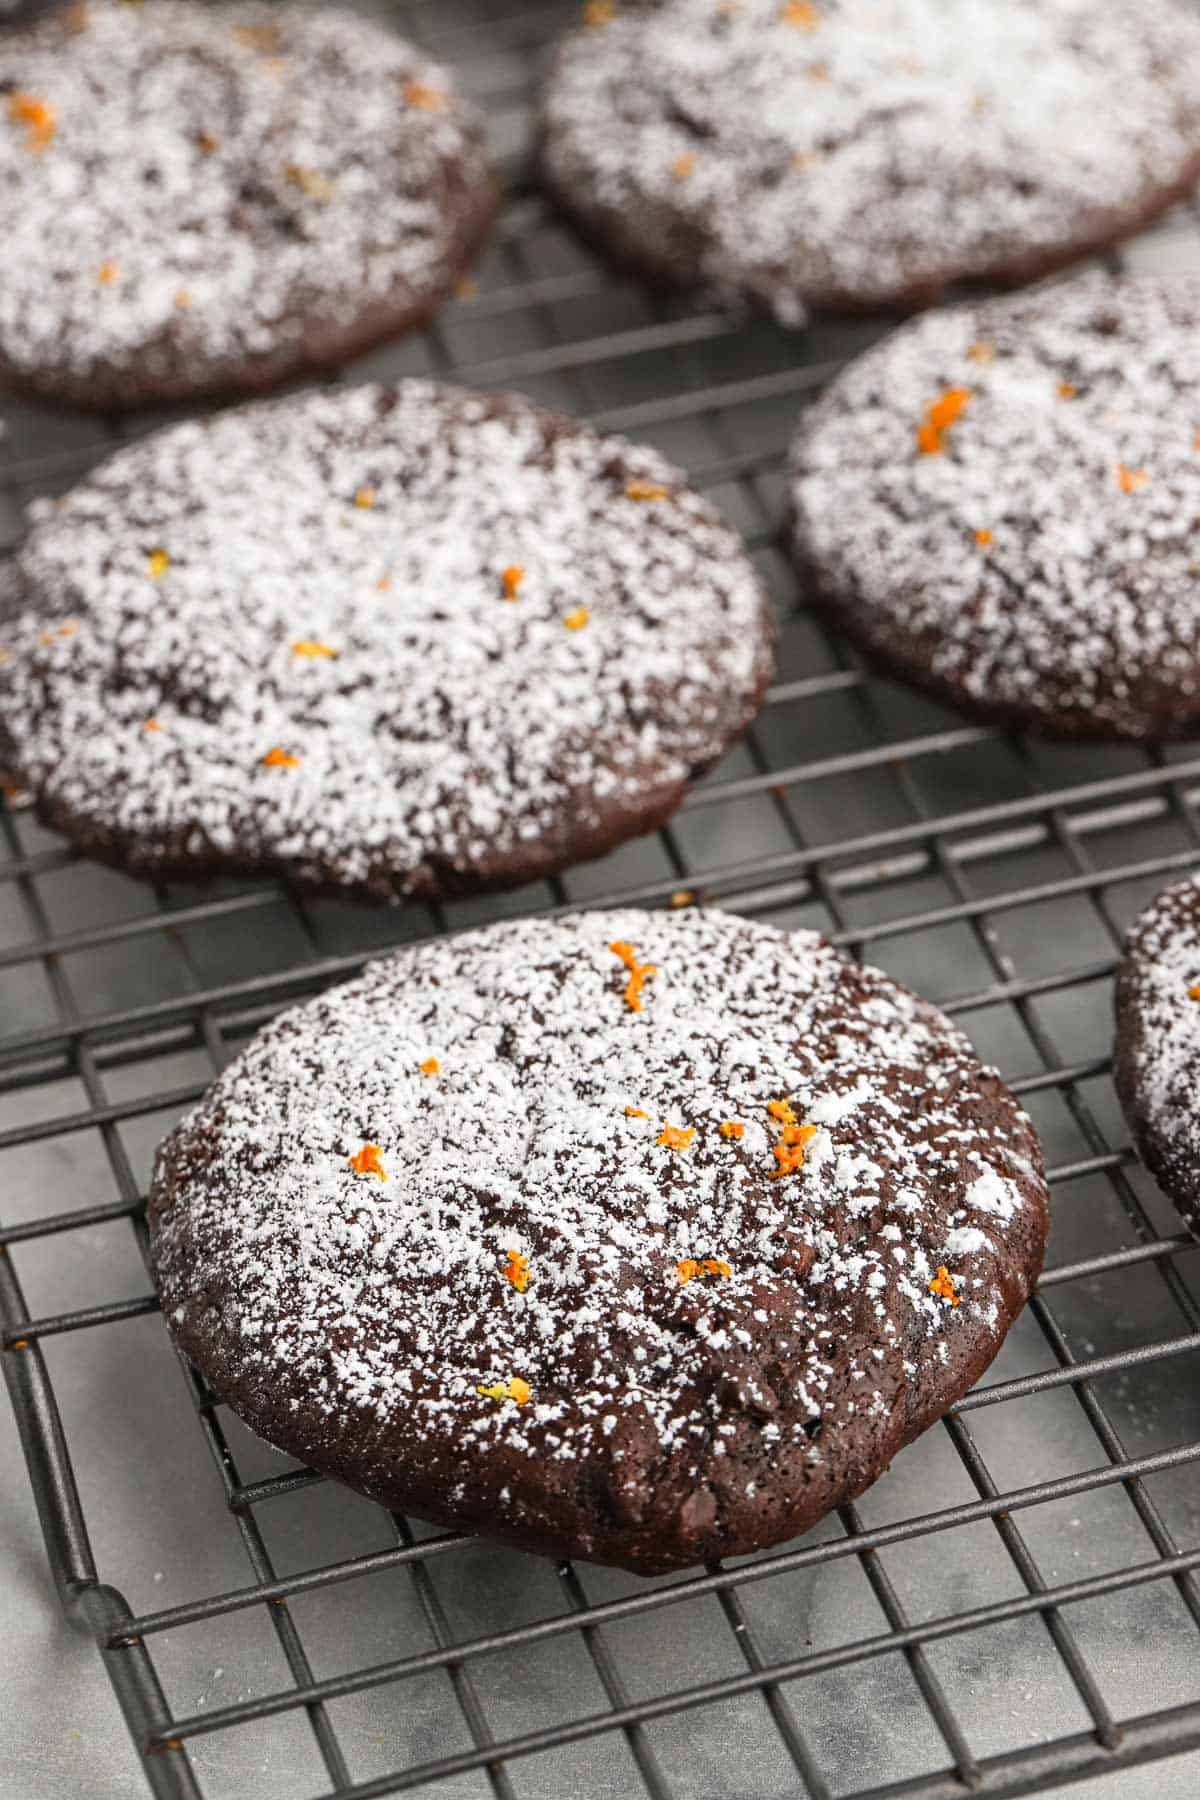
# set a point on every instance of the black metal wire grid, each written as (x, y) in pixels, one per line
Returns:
(996, 1615)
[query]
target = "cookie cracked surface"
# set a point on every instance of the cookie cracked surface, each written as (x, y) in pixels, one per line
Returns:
(202, 199)
(999, 503)
(855, 154)
(409, 641)
(646, 1238)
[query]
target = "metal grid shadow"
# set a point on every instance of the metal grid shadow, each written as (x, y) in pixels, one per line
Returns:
(1015, 1605)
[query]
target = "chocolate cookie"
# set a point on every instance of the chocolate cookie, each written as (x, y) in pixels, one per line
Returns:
(646, 1238)
(854, 154)
(200, 199)
(1156, 1063)
(999, 503)
(403, 641)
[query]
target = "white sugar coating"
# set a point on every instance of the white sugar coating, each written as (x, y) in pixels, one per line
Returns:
(1040, 565)
(217, 185)
(860, 150)
(1157, 1056)
(443, 733)
(386, 1302)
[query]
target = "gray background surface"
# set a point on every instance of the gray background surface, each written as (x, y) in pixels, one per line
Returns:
(854, 806)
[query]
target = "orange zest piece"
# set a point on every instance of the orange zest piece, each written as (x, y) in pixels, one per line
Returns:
(690, 1267)
(365, 498)
(940, 415)
(312, 647)
(676, 1137)
(1130, 480)
(369, 1161)
(982, 352)
(431, 1066)
(781, 1110)
(152, 725)
(801, 14)
(429, 99)
(1194, 992)
(575, 621)
(684, 165)
(639, 974)
(1067, 390)
(280, 759)
(38, 118)
(789, 1151)
(983, 537)
(511, 579)
(598, 13)
(943, 1286)
(516, 1270)
(206, 143)
(646, 490)
(311, 182)
(183, 299)
(682, 897)
(733, 1128)
(635, 1112)
(512, 1389)
(107, 273)
(157, 564)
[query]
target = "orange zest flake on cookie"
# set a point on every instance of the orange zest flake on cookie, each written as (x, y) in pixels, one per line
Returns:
(688, 1269)
(311, 182)
(983, 538)
(312, 647)
(982, 352)
(940, 415)
(108, 273)
(280, 759)
(157, 564)
(511, 579)
(676, 1137)
(802, 15)
(183, 299)
(789, 1151)
(151, 725)
(646, 490)
(37, 116)
(684, 165)
(67, 629)
(1067, 390)
(431, 1066)
(733, 1128)
(782, 1110)
(369, 1161)
(516, 1270)
(943, 1286)
(639, 973)
(598, 13)
(635, 1112)
(1194, 991)
(1130, 480)
(575, 621)
(206, 143)
(364, 498)
(513, 1389)
(427, 99)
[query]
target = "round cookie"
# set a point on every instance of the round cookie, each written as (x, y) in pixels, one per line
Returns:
(999, 503)
(851, 154)
(1156, 1058)
(209, 199)
(646, 1238)
(409, 641)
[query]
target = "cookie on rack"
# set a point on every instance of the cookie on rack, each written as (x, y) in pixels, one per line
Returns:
(641, 1237)
(851, 154)
(1156, 1057)
(999, 503)
(200, 199)
(396, 641)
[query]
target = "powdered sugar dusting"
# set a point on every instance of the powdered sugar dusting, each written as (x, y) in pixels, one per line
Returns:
(542, 1133)
(283, 636)
(219, 184)
(866, 149)
(1041, 563)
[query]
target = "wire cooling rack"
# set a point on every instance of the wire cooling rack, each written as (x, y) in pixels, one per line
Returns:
(1015, 1606)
